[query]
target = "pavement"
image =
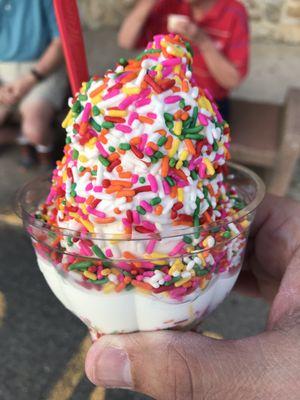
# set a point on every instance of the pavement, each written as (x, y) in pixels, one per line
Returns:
(42, 345)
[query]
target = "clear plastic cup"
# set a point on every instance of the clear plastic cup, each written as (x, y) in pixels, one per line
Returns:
(107, 293)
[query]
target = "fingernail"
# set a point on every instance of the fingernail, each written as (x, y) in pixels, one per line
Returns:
(112, 368)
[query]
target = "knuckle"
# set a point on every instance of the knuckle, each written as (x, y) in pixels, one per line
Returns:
(180, 371)
(289, 325)
(282, 356)
(167, 362)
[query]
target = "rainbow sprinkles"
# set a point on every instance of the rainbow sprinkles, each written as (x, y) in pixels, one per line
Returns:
(143, 169)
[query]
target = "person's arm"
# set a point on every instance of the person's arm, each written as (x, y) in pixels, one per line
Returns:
(52, 57)
(133, 24)
(50, 60)
(221, 69)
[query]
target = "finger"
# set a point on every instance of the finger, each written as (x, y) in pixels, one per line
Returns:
(7, 96)
(175, 365)
(9, 101)
(263, 213)
(273, 210)
(285, 309)
(12, 99)
(5, 100)
(277, 227)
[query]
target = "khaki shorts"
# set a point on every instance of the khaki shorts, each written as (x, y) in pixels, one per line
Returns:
(52, 89)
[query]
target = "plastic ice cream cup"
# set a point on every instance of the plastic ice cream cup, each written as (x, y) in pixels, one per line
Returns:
(174, 19)
(108, 294)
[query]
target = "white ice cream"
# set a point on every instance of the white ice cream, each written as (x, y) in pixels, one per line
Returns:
(104, 313)
(142, 168)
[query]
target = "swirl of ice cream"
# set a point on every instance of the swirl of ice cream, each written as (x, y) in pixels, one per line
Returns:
(145, 148)
(145, 156)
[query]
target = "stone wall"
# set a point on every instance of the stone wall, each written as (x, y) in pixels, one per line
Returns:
(274, 68)
(271, 20)
(275, 20)
(98, 13)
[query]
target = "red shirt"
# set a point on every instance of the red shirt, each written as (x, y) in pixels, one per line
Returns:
(226, 23)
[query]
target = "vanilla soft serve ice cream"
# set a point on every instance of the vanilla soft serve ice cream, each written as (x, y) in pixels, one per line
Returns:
(142, 233)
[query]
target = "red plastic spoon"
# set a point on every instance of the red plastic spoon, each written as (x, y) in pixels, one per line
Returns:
(72, 41)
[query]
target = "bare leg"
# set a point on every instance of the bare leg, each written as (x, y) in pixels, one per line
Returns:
(36, 123)
(37, 131)
(3, 114)
(8, 134)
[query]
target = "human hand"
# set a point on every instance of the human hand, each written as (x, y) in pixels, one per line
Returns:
(187, 29)
(7, 97)
(274, 240)
(175, 365)
(15, 91)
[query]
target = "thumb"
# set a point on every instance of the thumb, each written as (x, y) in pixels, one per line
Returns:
(175, 365)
